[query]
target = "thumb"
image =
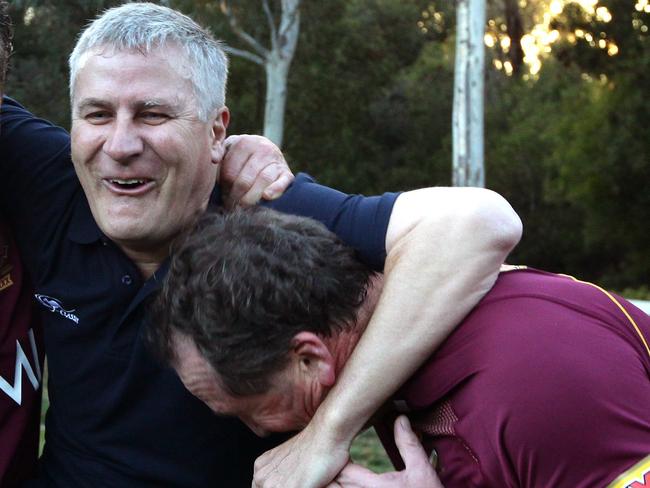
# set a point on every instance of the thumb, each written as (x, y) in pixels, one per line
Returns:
(355, 476)
(409, 445)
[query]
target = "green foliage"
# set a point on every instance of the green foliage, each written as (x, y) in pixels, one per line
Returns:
(352, 123)
(604, 172)
(369, 110)
(45, 34)
(640, 293)
(517, 149)
(571, 152)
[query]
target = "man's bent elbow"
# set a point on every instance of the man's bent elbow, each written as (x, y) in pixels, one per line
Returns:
(498, 220)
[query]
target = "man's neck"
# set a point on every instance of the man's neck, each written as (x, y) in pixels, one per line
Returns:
(147, 261)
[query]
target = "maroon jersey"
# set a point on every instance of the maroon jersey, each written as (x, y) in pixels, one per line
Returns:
(545, 384)
(21, 363)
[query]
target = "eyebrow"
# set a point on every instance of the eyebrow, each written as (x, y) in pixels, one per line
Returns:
(156, 103)
(91, 102)
(139, 105)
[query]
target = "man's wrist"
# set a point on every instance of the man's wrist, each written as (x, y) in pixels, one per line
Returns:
(331, 424)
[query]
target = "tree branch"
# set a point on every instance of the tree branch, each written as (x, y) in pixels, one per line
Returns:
(290, 17)
(242, 53)
(241, 33)
(271, 21)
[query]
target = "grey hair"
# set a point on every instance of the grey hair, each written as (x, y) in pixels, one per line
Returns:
(144, 27)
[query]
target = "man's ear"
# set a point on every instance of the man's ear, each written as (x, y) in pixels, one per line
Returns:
(313, 358)
(218, 134)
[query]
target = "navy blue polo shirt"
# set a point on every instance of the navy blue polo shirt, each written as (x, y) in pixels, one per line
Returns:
(117, 418)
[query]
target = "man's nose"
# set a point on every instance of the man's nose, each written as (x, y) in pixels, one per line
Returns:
(123, 141)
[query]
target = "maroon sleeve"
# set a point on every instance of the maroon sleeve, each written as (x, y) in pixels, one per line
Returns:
(21, 360)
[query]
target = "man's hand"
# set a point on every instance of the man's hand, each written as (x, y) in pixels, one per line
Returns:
(418, 473)
(307, 460)
(252, 168)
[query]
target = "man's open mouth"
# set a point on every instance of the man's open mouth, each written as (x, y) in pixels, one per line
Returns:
(129, 185)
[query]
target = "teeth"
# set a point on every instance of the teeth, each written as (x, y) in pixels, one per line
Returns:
(128, 182)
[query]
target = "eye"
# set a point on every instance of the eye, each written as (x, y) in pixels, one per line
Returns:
(97, 117)
(154, 118)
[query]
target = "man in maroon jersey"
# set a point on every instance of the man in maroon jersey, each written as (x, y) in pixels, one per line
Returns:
(545, 384)
(21, 351)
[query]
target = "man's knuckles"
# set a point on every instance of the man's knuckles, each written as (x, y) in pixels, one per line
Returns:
(271, 172)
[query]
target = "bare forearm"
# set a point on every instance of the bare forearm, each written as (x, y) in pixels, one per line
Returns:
(436, 272)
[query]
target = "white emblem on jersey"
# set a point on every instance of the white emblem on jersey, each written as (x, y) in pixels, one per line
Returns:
(55, 306)
(15, 391)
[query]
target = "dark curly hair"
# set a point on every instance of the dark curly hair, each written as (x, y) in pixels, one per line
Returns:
(5, 41)
(242, 284)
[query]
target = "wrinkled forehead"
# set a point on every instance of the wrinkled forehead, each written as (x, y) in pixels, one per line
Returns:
(186, 355)
(192, 367)
(199, 377)
(169, 53)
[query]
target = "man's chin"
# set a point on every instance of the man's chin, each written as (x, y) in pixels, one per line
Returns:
(130, 234)
(122, 230)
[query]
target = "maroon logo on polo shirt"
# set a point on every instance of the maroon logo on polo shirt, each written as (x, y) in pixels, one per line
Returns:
(55, 306)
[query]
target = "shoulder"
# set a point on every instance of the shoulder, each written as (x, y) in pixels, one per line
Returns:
(26, 137)
(532, 334)
(305, 195)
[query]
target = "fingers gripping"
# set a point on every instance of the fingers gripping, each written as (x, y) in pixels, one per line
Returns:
(419, 471)
(267, 177)
(253, 167)
(408, 444)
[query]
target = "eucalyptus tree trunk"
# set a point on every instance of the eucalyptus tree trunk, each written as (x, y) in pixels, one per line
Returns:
(276, 60)
(469, 76)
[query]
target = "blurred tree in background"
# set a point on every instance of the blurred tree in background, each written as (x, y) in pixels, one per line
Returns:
(44, 36)
(369, 108)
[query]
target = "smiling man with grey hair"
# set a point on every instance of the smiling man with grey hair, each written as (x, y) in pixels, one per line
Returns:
(156, 80)
(147, 150)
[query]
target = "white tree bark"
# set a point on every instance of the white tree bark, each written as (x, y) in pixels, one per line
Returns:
(276, 99)
(276, 60)
(469, 76)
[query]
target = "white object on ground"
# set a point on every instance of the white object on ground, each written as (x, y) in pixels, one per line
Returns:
(642, 304)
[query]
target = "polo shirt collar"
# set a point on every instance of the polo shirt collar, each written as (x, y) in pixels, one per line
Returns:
(83, 228)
